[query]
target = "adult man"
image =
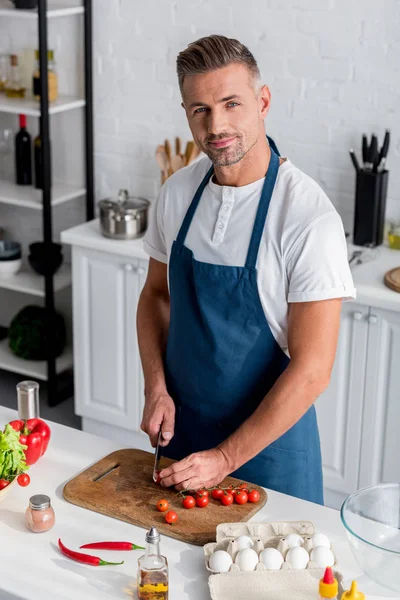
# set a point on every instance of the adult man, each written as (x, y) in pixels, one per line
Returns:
(257, 273)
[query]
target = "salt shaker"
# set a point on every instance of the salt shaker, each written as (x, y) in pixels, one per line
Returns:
(39, 515)
(28, 400)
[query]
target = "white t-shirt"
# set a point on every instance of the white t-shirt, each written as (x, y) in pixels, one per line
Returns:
(302, 255)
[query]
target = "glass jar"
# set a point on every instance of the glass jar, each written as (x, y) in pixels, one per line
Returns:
(52, 77)
(394, 235)
(39, 515)
(4, 60)
(14, 87)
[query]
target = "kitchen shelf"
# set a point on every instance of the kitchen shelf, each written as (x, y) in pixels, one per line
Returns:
(29, 106)
(56, 9)
(30, 197)
(29, 282)
(36, 369)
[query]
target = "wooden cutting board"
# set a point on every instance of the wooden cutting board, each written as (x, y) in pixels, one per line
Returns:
(120, 485)
(392, 279)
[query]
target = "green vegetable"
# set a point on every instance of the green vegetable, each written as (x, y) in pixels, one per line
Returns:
(12, 457)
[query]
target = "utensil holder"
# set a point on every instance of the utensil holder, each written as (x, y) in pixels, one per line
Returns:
(370, 205)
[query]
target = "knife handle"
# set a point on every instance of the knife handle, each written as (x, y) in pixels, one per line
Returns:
(364, 149)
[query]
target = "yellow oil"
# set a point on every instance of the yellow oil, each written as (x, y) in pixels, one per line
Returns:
(394, 241)
(15, 92)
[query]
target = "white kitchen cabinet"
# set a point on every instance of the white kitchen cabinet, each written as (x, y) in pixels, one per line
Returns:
(380, 450)
(108, 374)
(359, 413)
(340, 407)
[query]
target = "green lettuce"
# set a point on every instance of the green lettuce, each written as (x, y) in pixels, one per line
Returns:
(12, 457)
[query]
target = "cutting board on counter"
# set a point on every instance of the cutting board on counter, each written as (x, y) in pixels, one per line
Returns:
(120, 485)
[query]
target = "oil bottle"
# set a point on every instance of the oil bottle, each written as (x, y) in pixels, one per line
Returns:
(152, 570)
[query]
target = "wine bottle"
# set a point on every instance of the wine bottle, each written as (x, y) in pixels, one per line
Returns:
(37, 143)
(23, 151)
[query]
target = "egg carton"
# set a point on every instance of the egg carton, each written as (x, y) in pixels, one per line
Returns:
(262, 583)
(263, 535)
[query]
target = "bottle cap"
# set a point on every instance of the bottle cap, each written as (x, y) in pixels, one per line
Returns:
(22, 121)
(328, 586)
(28, 399)
(39, 502)
(353, 593)
(153, 536)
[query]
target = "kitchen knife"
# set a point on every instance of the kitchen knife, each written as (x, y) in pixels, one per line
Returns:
(373, 151)
(364, 150)
(157, 458)
(384, 150)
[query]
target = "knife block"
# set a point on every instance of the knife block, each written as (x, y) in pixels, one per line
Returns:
(370, 206)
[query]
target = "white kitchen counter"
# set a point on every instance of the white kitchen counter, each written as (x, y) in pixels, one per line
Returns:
(32, 568)
(88, 235)
(368, 277)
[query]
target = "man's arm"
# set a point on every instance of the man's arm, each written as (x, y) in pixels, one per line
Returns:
(152, 326)
(313, 329)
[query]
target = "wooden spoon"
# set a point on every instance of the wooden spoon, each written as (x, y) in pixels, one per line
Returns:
(188, 151)
(177, 163)
(163, 162)
(178, 145)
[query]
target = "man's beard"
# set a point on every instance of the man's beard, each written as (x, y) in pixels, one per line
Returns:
(226, 157)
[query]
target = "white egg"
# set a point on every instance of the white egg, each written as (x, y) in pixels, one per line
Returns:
(271, 558)
(220, 561)
(294, 540)
(247, 559)
(243, 541)
(323, 557)
(298, 557)
(320, 539)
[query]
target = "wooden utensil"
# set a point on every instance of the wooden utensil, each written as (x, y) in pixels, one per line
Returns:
(176, 162)
(167, 146)
(188, 151)
(163, 162)
(120, 485)
(178, 145)
(392, 279)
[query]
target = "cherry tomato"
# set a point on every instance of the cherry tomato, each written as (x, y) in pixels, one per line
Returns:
(254, 496)
(241, 497)
(226, 499)
(202, 501)
(23, 479)
(171, 517)
(3, 483)
(202, 493)
(189, 502)
(217, 493)
(243, 486)
(162, 505)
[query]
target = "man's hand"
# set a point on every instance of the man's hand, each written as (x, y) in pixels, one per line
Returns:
(198, 470)
(159, 411)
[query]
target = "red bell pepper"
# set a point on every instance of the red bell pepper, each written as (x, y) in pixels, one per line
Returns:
(35, 434)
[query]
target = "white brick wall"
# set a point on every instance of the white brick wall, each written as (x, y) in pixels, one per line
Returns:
(333, 68)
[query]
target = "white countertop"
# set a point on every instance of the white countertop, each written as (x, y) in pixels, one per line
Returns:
(32, 568)
(88, 235)
(368, 277)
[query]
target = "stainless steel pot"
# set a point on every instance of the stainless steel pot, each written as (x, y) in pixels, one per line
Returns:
(124, 218)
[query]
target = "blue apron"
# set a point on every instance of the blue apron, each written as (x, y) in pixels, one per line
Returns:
(222, 359)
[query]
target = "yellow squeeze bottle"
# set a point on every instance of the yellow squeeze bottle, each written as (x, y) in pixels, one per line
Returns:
(353, 593)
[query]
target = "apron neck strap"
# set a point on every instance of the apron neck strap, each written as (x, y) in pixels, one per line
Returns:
(180, 240)
(262, 210)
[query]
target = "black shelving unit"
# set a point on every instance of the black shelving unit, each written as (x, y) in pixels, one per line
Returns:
(60, 386)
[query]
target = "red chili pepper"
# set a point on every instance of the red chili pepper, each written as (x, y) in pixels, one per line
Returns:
(113, 546)
(87, 559)
(35, 434)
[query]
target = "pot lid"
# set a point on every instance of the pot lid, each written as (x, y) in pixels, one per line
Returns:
(124, 203)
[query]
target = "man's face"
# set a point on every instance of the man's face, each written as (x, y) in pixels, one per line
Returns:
(225, 112)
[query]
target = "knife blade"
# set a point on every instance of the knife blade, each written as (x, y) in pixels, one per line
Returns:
(157, 458)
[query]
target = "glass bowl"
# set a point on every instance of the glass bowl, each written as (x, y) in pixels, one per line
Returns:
(371, 518)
